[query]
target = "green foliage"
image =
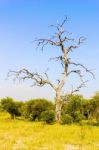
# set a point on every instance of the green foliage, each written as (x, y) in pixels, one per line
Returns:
(47, 116)
(91, 107)
(95, 105)
(12, 107)
(74, 107)
(66, 119)
(32, 109)
(87, 109)
(92, 122)
(78, 116)
(81, 109)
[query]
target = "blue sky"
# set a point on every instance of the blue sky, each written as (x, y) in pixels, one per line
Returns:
(21, 21)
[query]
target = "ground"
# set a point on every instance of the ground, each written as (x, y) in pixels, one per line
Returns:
(24, 135)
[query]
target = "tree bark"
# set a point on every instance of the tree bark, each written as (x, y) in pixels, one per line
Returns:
(12, 116)
(58, 107)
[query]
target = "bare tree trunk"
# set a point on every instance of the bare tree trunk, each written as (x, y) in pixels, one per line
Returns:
(58, 107)
(12, 116)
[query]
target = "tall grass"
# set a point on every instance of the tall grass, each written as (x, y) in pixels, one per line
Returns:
(23, 135)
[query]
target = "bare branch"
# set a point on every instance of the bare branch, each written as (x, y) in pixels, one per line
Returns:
(78, 88)
(24, 74)
(70, 48)
(66, 39)
(44, 42)
(78, 72)
(59, 58)
(59, 26)
(56, 58)
(55, 26)
(81, 40)
(59, 40)
(82, 66)
(64, 21)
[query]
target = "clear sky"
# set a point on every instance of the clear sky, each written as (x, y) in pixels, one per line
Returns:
(21, 21)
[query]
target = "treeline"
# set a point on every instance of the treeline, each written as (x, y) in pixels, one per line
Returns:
(76, 109)
(32, 110)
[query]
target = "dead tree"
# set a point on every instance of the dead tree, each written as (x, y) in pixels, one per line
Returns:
(60, 39)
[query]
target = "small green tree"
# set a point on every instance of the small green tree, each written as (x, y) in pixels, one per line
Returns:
(10, 106)
(91, 107)
(66, 119)
(87, 109)
(74, 107)
(48, 116)
(33, 108)
(94, 106)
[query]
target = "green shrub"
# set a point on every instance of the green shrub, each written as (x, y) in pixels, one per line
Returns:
(77, 116)
(11, 106)
(66, 119)
(74, 107)
(92, 122)
(83, 122)
(32, 109)
(48, 116)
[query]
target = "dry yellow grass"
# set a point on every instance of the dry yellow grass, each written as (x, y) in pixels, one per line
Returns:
(22, 135)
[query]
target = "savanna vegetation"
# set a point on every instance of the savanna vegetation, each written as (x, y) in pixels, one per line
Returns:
(76, 109)
(33, 126)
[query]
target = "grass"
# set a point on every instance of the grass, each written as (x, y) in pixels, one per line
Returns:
(23, 135)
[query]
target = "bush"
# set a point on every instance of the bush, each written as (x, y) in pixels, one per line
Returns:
(77, 116)
(66, 119)
(92, 122)
(74, 107)
(48, 116)
(32, 109)
(12, 107)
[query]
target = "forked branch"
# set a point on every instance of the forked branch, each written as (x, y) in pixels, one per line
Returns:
(24, 74)
(82, 66)
(73, 91)
(77, 89)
